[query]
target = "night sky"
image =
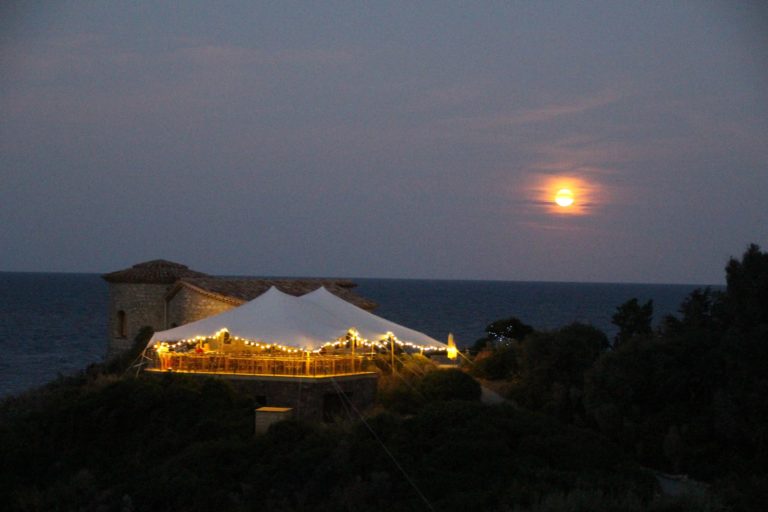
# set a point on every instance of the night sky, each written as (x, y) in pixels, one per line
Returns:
(385, 139)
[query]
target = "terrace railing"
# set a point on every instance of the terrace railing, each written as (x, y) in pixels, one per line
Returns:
(251, 364)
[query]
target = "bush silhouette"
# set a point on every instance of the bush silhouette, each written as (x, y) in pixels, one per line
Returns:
(449, 384)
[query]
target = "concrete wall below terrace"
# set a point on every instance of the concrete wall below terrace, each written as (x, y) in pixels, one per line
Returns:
(317, 399)
(312, 399)
(189, 306)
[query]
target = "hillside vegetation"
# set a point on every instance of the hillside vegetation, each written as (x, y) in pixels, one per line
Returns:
(687, 397)
(587, 417)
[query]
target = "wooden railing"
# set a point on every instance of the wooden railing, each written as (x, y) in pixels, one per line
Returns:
(275, 365)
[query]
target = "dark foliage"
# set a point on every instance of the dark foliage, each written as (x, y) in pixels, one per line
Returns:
(687, 399)
(691, 399)
(496, 354)
(174, 443)
(747, 291)
(449, 385)
(701, 311)
(399, 391)
(500, 332)
(497, 363)
(551, 368)
(130, 357)
(632, 319)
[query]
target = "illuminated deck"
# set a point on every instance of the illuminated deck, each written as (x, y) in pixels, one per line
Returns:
(278, 366)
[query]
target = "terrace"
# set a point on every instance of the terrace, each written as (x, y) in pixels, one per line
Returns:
(280, 335)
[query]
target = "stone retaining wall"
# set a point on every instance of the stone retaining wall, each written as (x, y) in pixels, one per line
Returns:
(312, 399)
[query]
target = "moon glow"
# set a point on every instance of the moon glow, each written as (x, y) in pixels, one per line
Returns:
(564, 197)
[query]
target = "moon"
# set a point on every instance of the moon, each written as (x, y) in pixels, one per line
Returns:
(564, 197)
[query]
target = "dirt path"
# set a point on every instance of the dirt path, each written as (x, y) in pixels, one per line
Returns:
(491, 397)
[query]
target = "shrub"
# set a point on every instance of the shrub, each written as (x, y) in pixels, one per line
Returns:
(449, 385)
(124, 361)
(496, 364)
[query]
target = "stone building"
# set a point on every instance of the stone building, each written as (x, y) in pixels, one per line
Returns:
(163, 294)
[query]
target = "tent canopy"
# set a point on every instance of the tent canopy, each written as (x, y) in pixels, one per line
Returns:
(370, 326)
(307, 322)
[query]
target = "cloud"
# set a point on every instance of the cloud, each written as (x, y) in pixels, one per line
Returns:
(87, 79)
(457, 95)
(557, 110)
(79, 60)
(316, 56)
(527, 116)
(209, 55)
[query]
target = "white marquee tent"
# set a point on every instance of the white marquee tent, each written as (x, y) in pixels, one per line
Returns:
(369, 326)
(306, 322)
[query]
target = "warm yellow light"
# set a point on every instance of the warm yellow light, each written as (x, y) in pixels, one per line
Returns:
(564, 197)
(452, 352)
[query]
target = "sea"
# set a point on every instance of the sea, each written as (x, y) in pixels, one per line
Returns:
(54, 324)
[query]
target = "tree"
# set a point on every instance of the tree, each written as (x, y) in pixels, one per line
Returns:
(551, 368)
(632, 319)
(495, 364)
(701, 310)
(449, 384)
(747, 288)
(503, 330)
(500, 332)
(510, 328)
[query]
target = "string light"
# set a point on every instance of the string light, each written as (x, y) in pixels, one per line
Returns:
(280, 359)
(352, 336)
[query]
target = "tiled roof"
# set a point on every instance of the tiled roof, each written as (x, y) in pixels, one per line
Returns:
(234, 290)
(238, 290)
(152, 272)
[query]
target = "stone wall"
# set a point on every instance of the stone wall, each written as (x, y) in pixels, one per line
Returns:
(189, 306)
(141, 304)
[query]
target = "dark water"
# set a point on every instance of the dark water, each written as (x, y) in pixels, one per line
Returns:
(54, 324)
(466, 307)
(49, 324)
